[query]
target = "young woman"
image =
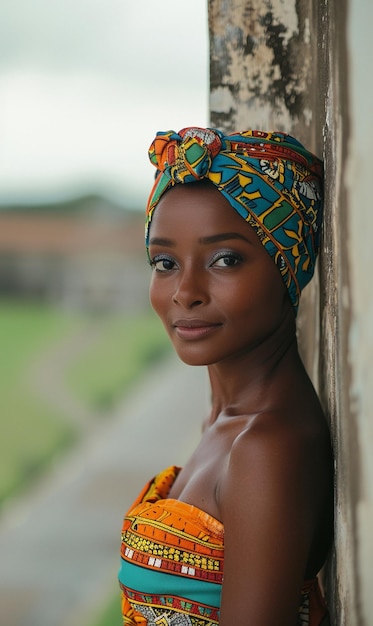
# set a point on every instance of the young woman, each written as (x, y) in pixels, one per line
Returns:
(238, 535)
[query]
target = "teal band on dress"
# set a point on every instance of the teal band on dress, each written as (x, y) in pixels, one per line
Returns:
(162, 584)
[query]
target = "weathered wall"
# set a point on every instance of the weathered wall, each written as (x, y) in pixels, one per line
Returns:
(303, 66)
(261, 68)
(335, 307)
(346, 297)
(356, 172)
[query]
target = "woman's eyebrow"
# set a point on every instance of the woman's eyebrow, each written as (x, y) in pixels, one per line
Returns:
(222, 237)
(162, 241)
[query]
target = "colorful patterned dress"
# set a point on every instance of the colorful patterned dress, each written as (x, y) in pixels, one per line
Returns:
(172, 558)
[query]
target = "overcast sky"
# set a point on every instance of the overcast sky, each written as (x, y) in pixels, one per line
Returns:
(84, 86)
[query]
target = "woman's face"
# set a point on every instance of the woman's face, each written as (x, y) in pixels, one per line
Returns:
(215, 288)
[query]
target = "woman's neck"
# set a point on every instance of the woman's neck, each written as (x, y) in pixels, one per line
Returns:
(253, 381)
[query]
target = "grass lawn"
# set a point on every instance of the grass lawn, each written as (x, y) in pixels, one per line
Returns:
(112, 614)
(30, 431)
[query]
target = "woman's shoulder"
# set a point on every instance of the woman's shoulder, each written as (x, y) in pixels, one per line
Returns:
(294, 425)
(279, 452)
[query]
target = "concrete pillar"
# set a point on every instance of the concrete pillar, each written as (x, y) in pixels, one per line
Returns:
(354, 184)
(335, 306)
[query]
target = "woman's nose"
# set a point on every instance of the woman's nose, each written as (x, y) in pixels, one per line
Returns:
(190, 289)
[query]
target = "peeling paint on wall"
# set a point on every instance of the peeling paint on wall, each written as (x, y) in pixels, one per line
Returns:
(260, 63)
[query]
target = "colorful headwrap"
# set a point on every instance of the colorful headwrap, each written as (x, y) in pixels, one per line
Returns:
(270, 179)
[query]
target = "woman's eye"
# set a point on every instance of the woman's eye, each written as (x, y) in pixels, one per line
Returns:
(163, 264)
(226, 260)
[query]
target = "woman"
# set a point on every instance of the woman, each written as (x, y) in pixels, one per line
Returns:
(238, 535)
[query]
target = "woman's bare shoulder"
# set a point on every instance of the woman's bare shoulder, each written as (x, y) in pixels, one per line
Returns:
(276, 456)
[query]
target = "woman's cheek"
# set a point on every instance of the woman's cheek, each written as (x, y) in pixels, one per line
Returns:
(153, 295)
(157, 296)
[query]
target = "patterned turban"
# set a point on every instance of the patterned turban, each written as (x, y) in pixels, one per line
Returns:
(270, 179)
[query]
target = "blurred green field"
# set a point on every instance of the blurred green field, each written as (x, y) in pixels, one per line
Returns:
(31, 431)
(112, 615)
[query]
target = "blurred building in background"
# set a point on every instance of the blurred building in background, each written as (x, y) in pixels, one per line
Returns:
(86, 253)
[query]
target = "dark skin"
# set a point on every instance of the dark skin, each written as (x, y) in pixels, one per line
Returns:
(264, 464)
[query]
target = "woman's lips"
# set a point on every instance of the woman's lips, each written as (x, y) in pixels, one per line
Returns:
(194, 328)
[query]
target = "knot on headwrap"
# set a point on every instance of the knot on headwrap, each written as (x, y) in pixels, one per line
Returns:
(185, 156)
(270, 179)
